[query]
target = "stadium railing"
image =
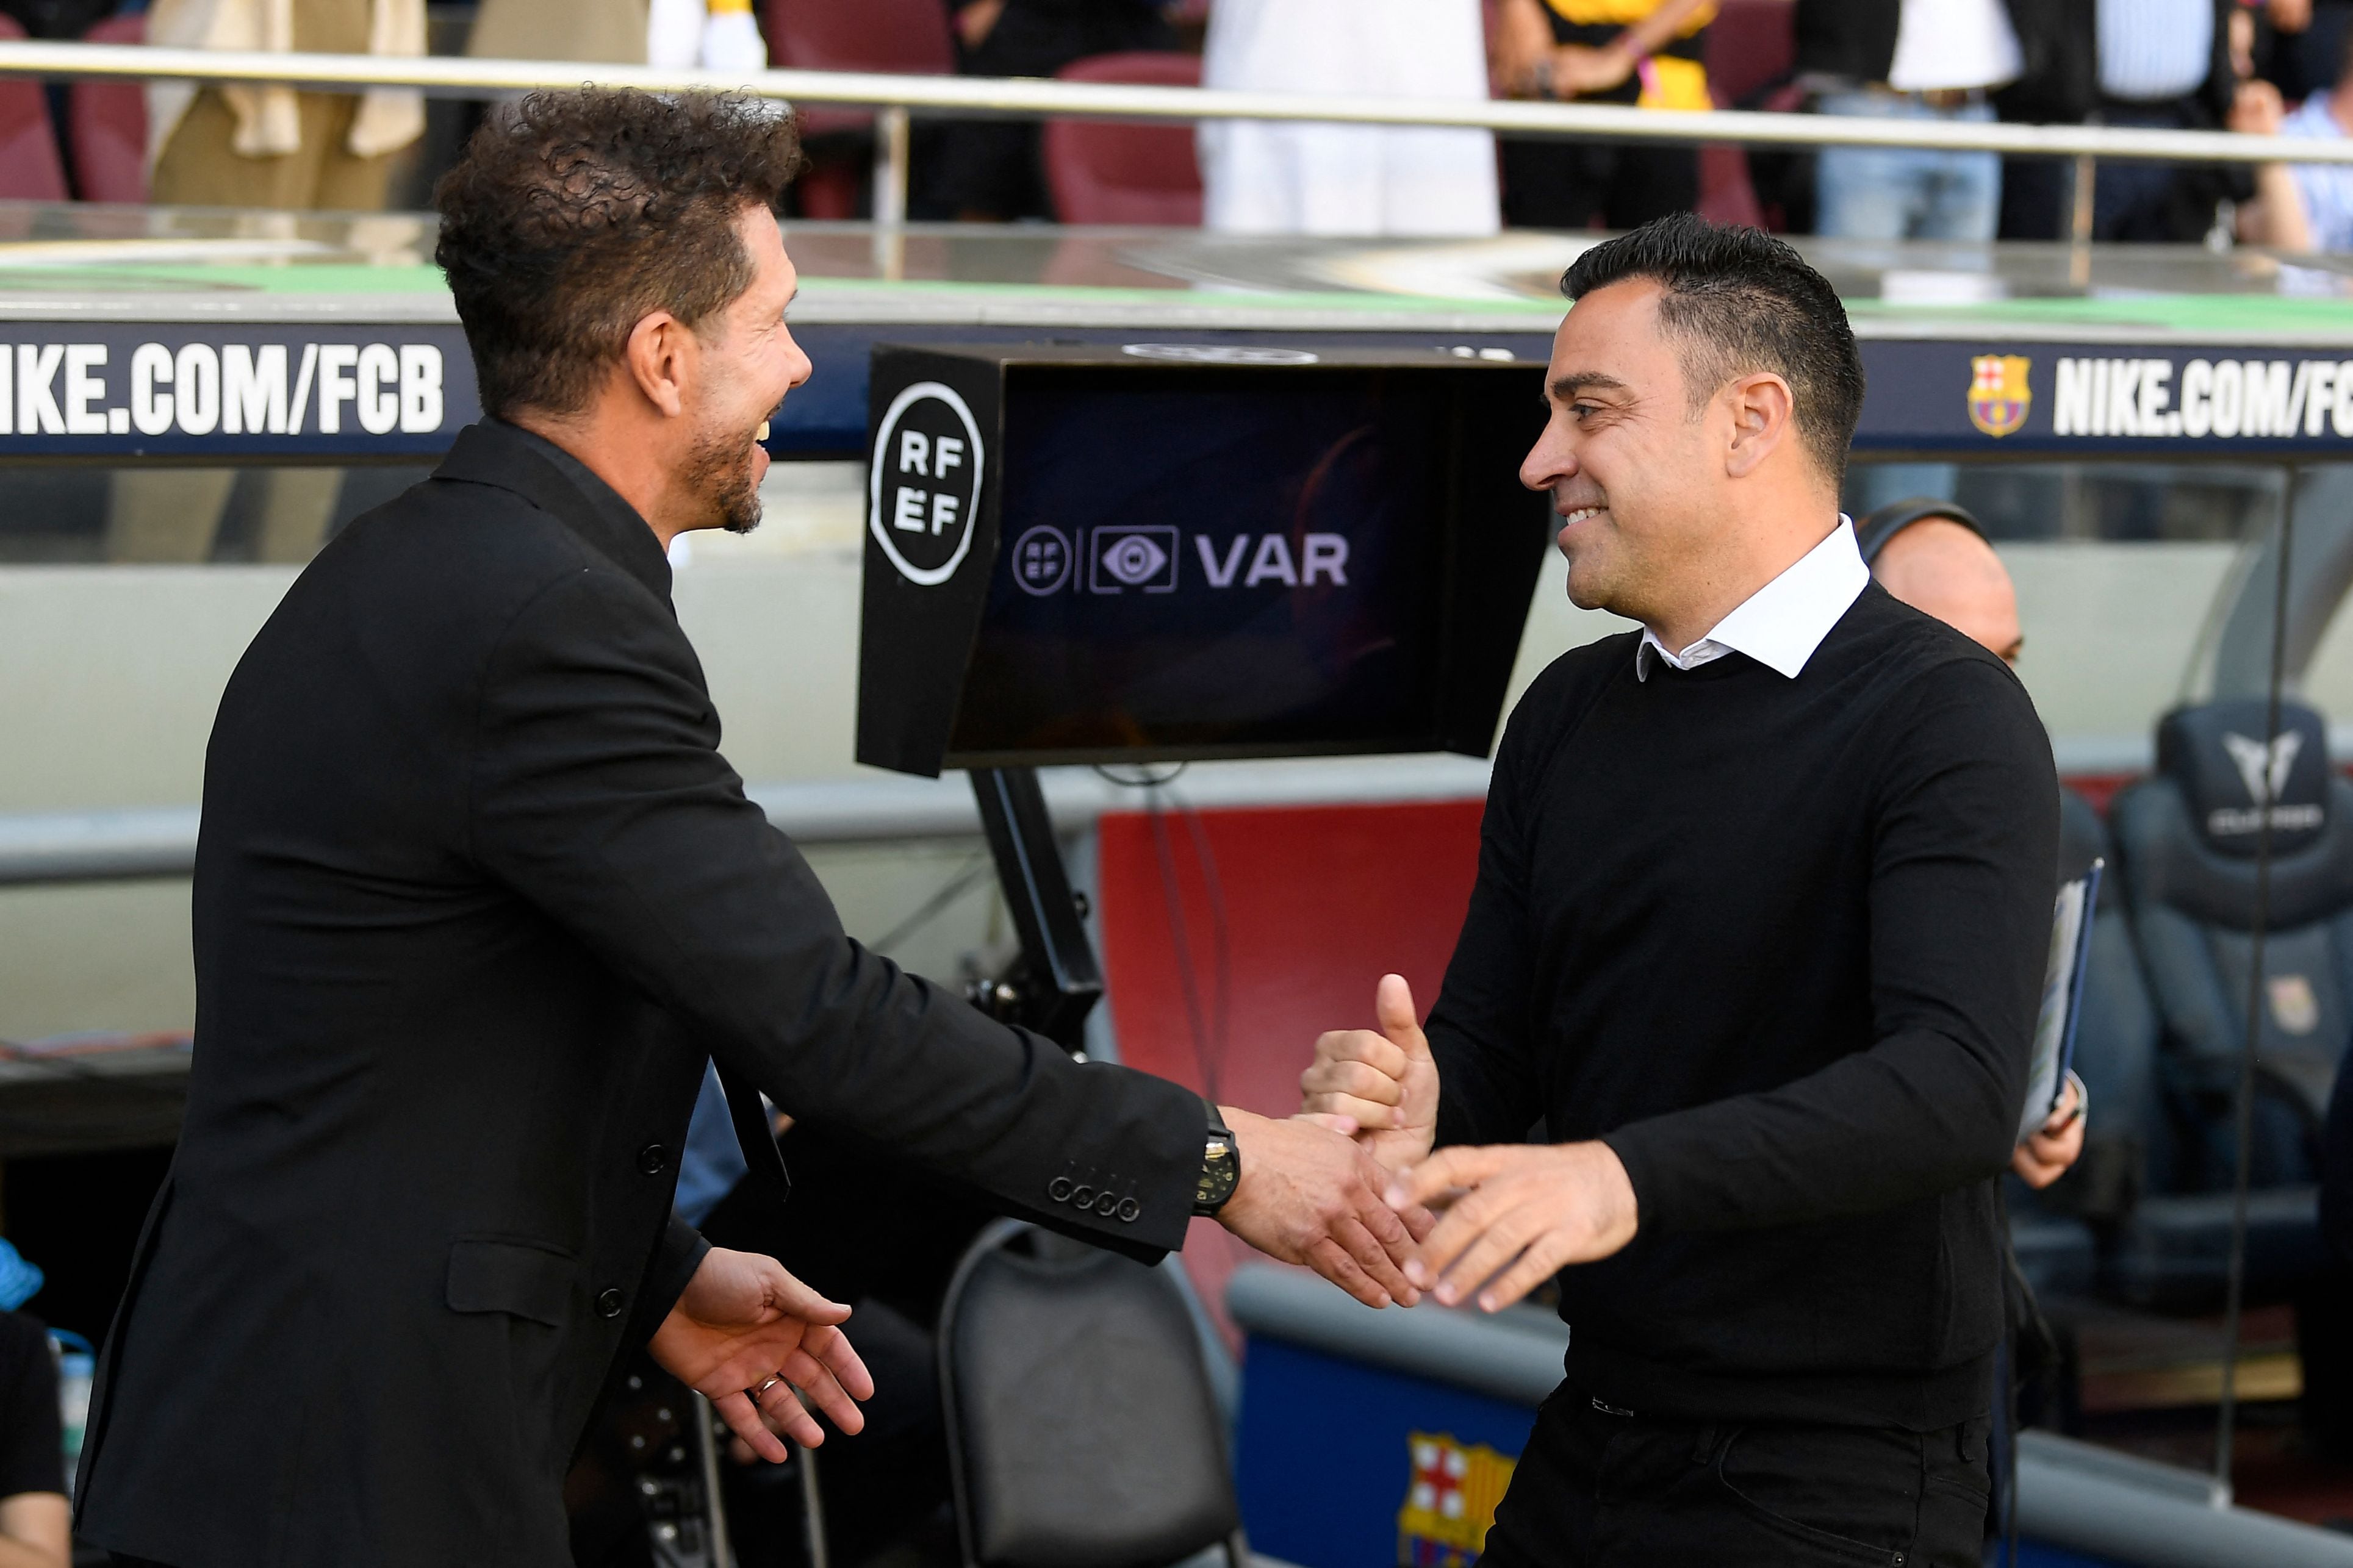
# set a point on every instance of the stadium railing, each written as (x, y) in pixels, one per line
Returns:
(900, 96)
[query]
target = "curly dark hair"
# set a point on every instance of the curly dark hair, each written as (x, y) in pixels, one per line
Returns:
(1740, 301)
(573, 215)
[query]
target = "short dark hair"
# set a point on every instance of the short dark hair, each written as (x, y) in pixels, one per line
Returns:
(1742, 301)
(572, 215)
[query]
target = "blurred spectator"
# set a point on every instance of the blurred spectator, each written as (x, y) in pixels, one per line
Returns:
(1268, 177)
(610, 32)
(263, 146)
(2324, 191)
(35, 1532)
(991, 169)
(717, 35)
(2164, 65)
(2305, 40)
(2059, 85)
(271, 146)
(1919, 59)
(58, 18)
(2300, 206)
(1600, 51)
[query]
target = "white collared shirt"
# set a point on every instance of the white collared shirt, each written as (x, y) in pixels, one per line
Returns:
(1781, 623)
(1941, 44)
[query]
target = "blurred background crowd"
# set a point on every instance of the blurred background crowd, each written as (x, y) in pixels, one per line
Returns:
(2244, 66)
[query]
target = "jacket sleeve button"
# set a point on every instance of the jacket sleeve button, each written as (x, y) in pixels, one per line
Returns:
(1128, 1210)
(610, 1301)
(652, 1158)
(1083, 1196)
(1059, 1189)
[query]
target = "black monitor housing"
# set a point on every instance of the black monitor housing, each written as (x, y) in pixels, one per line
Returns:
(1168, 553)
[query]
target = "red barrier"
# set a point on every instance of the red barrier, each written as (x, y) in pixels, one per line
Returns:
(1232, 939)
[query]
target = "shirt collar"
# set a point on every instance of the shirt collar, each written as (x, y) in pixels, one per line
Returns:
(1781, 623)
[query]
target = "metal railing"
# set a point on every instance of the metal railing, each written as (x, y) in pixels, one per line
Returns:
(48, 848)
(898, 97)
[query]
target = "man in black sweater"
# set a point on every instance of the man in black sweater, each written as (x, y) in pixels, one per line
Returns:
(1764, 894)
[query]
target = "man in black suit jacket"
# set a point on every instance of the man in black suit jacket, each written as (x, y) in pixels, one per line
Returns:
(476, 896)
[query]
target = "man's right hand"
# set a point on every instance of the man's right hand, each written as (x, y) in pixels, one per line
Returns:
(1385, 1081)
(1309, 1195)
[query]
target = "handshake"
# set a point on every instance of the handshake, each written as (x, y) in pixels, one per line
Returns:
(1348, 1185)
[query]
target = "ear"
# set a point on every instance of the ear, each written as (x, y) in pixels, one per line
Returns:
(660, 357)
(1761, 409)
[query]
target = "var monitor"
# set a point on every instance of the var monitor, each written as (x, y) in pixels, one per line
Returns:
(1156, 552)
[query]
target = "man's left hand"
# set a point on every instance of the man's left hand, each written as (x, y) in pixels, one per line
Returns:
(743, 1323)
(1519, 1215)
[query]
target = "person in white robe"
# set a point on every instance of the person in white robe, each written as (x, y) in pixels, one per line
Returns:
(1276, 177)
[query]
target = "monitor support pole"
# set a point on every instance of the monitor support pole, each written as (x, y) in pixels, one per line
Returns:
(1055, 981)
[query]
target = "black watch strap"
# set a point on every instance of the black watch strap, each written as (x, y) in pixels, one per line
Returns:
(1221, 1166)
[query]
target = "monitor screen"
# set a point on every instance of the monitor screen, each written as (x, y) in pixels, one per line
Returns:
(1214, 564)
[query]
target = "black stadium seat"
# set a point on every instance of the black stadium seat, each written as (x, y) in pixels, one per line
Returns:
(2186, 840)
(1083, 1432)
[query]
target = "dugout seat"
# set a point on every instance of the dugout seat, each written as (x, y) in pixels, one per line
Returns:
(2186, 840)
(1082, 1428)
(107, 122)
(30, 170)
(1104, 172)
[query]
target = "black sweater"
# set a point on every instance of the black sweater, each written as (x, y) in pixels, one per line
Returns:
(1779, 943)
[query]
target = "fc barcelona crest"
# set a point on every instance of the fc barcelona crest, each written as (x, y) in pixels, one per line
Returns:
(1450, 1501)
(1998, 396)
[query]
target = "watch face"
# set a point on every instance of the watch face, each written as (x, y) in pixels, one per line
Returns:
(1219, 1172)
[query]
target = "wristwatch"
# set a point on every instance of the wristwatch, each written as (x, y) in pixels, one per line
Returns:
(1221, 1166)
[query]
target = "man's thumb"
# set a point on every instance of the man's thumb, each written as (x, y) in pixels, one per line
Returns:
(1393, 1007)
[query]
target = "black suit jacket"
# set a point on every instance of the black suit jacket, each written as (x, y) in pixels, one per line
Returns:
(475, 895)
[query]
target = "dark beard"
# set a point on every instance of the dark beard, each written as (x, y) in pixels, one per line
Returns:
(718, 469)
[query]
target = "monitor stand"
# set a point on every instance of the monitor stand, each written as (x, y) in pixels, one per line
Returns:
(1054, 982)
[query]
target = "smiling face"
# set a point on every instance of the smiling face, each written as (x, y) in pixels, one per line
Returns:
(1636, 475)
(746, 362)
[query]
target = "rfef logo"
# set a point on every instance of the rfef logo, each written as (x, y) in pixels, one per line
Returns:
(1998, 394)
(1041, 560)
(923, 482)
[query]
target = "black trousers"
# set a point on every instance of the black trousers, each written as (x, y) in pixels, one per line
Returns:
(1598, 1489)
(1572, 184)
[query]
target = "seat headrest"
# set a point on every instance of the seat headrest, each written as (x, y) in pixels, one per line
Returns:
(2215, 754)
